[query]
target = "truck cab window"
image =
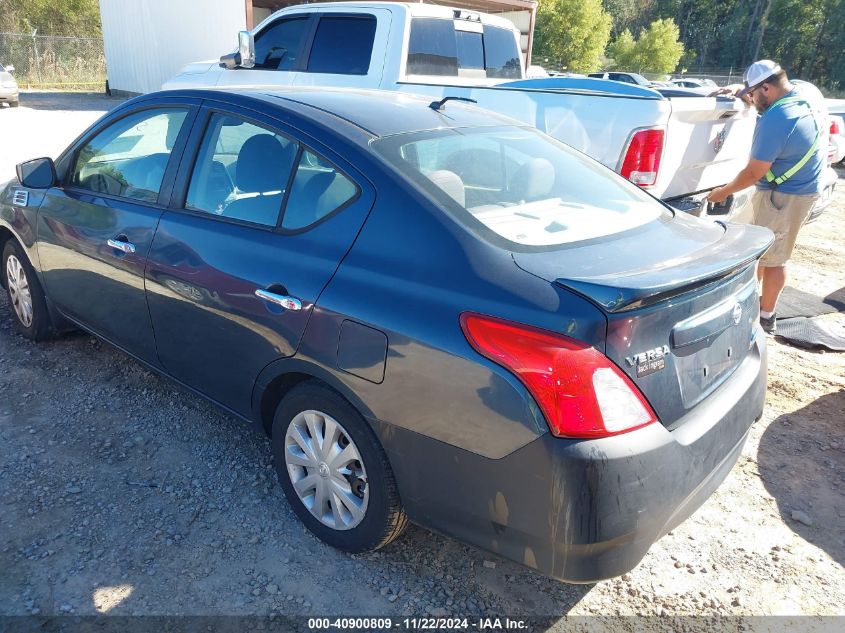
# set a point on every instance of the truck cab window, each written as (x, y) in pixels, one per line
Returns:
(501, 55)
(437, 47)
(343, 45)
(432, 48)
(279, 46)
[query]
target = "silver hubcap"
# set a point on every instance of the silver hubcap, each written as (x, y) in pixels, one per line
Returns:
(326, 470)
(19, 290)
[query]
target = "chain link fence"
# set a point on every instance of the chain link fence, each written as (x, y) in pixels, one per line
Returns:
(55, 62)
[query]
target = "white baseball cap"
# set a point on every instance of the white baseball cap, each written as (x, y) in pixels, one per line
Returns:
(757, 73)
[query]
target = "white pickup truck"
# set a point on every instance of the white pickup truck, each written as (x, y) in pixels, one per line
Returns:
(674, 143)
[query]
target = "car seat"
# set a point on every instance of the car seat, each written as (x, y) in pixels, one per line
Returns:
(262, 169)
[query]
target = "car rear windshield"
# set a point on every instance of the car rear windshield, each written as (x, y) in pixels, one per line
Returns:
(520, 184)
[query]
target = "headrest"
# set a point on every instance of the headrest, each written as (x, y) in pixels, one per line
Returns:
(263, 164)
(450, 183)
(533, 180)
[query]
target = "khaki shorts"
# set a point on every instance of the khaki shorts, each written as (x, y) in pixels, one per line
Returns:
(784, 214)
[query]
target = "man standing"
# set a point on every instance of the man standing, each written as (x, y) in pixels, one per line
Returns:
(787, 163)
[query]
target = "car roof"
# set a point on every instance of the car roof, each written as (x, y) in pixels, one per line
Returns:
(376, 113)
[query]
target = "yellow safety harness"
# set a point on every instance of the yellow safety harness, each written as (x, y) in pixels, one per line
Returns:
(779, 180)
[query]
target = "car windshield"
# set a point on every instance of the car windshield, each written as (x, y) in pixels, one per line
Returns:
(519, 183)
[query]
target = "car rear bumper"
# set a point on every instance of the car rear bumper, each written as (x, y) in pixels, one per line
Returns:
(9, 94)
(583, 511)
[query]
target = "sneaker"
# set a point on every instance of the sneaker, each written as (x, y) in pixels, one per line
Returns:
(769, 325)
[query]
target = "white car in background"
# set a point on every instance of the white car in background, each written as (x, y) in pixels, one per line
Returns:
(691, 82)
(8, 87)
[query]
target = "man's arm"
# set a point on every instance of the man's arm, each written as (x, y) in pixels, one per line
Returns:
(733, 91)
(754, 171)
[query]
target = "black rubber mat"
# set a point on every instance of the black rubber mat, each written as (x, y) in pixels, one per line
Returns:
(812, 333)
(797, 303)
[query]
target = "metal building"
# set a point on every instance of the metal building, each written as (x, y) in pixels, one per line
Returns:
(148, 41)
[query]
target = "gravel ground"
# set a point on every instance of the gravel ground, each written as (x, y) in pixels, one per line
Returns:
(122, 494)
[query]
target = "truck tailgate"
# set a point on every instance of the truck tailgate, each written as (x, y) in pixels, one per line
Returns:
(707, 143)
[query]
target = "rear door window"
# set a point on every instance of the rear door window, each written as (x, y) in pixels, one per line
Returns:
(128, 159)
(279, 46)
(241, 172)
(343, 45)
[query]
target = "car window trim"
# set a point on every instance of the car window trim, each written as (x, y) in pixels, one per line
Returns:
(192, 110)
(187, 164)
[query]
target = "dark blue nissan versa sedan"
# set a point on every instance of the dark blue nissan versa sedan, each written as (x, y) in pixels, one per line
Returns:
(438, 315)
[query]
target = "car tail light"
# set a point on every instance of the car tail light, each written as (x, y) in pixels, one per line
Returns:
(834, 127)
(642, 160)
(580, 391)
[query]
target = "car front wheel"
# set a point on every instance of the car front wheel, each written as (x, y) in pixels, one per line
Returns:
(334, 472)
(23, 291)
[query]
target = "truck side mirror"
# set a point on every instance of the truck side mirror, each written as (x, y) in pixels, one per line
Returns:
(245, 55)
(246, 49)
(39, 173)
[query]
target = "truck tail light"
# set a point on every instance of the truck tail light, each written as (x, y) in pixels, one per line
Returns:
(642, 159)
(580, 391)
(834, 127)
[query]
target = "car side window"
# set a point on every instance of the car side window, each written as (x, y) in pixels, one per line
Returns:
(241, 171)
(279, 46)
(318, 189)
(129, 157)
(343, 45)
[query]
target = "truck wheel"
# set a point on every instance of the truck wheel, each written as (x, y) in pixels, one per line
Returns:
(23, 291)
(14, 104)
(334, 472)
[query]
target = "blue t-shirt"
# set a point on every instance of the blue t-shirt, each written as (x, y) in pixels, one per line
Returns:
(782, 137)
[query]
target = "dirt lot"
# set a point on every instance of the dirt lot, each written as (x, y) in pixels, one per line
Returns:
(122, 494)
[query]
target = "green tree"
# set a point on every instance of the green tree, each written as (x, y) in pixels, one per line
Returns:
(571, 32)
(623, 50)
(656, 50)
(51, 17)
(658, 47)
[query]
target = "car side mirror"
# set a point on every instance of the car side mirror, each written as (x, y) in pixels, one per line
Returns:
(244, 57)
(10, 69)
(39, 173)
(246, 49)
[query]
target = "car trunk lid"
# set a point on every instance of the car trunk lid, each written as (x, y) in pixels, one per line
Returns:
(681, 316)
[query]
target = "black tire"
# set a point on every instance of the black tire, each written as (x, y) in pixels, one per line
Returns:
(40, 328)
(14, 104)
(384, 518)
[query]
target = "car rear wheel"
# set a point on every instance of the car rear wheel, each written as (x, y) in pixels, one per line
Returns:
(23, 291)
(334, 472)
(14, 104)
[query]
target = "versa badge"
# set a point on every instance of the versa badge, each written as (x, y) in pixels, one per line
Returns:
(649, 361)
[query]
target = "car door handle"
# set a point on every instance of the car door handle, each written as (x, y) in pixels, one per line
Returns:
(122, 245)
(289, 303)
